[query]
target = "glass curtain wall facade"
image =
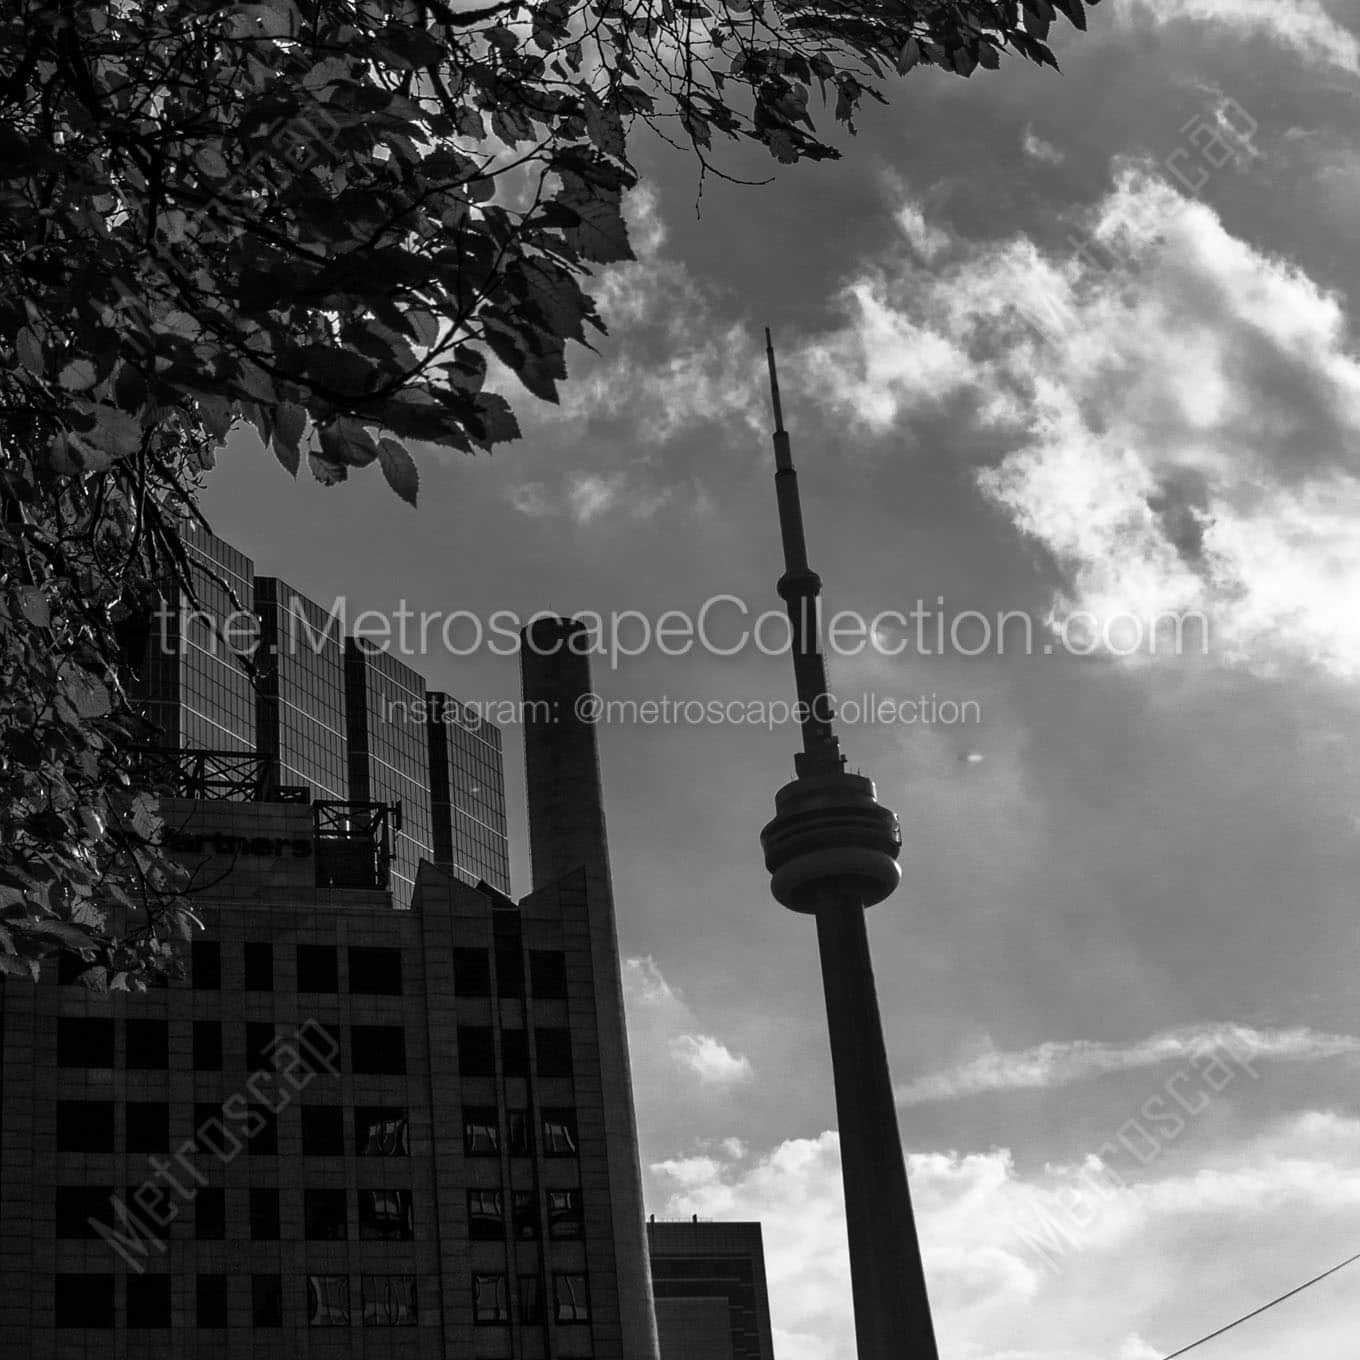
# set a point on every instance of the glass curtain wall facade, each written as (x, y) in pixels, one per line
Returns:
(195, 688)
(389, 752)
(467, 789)
(301, 700)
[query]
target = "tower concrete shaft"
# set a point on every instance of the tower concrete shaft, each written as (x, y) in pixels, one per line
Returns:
(566, 834)
(832, 850)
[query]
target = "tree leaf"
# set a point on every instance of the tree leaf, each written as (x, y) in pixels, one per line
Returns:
(399, 469)
(599, 233)
(78, 376)
(605, 127)
(30, 350)
(289, 422)
(346, 442)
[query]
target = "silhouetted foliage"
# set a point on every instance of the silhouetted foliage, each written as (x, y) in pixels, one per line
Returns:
(317, 218)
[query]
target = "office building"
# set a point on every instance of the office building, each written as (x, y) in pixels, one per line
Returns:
(389, 752)
(194, 685)
(300, 694)
(467, 793)
(354, 1131)
(709, 1283)
(335, 719)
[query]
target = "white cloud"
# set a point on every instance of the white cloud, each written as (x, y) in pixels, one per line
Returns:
(670, 361)
(1014, 1259)
(794, 1191)
(664, 378)
(587, 497)
(885, 360)
(664, 1037)
(1054, 1064)
(643, 982)
(532, 499)
(590, 496)
(711, 1061)
(1037, 149)
(926, 240)
(1181, 409)
(1303, 26)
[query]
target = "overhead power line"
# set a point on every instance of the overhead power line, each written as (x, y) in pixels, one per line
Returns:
(1256, 1312)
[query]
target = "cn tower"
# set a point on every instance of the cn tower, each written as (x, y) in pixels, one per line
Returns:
(832, 852)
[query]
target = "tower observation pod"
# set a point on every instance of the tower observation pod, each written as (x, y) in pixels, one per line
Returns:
(832, 851)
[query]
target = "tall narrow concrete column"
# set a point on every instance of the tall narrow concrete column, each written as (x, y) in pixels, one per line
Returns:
(892, 1312)
(566, 834)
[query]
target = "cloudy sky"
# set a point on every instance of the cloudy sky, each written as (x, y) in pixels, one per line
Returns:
(1051, 344)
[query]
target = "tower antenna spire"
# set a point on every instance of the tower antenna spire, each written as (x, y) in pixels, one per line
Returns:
(800, 588)
(774, 384)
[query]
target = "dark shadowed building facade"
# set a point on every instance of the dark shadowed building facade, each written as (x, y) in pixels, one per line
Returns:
(355, 1131)
(709, 1285)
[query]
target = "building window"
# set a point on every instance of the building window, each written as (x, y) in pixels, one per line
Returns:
(471, 972)
(266, 1300)
(520, 1133)
(374, 970)
(571, 1299)
(509, 970)
(481, 1131)
(211, 1301)
(325, 1215)
(259, 960)
(148, 1126)
(209, 1124)
(554, 1052)
(378, 1049)
(84, 1043)
(476, 1051)
(259, 1039)
(148, 1301)
(565, 1219)
(526, 1215)
(319, 1049)
(148, 1044)
(70, 966)
(559, 1133)
(389, 1300)
(548, 974)
(84, 1126)
(210, 1214)
(385, 1216)
(77, 1204)
(323, 1131)
(486, 1216)
(530, 1300)
(515, 1052)
(381, 1131)
(84, 1301)
(207, 1046)
(317, 968)
(205, 966)
(489, 1303)
(328, 1300)
(264, 1215)
(264, 1142)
